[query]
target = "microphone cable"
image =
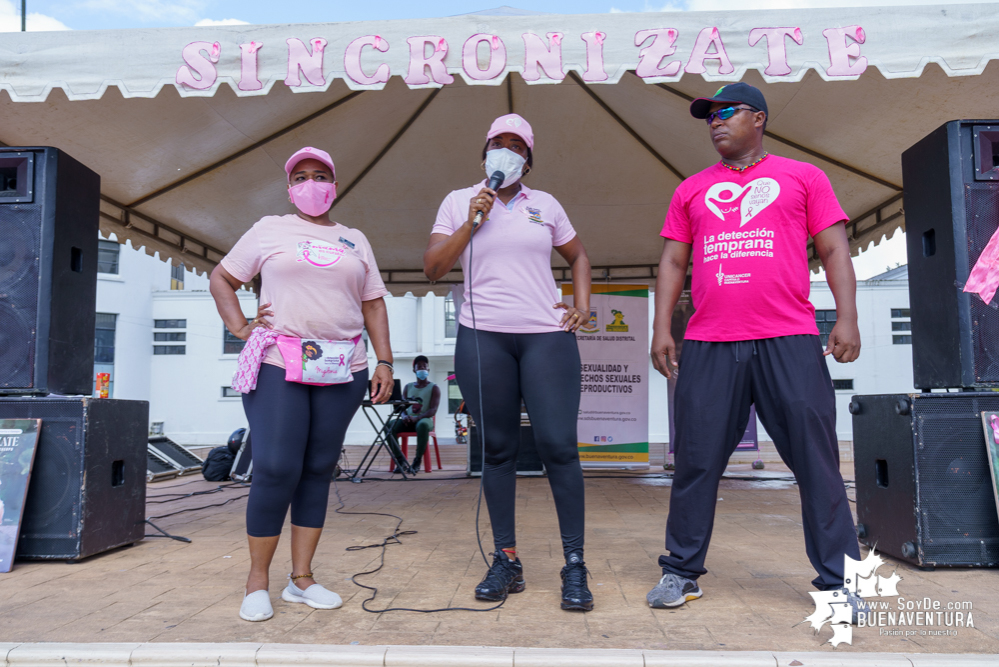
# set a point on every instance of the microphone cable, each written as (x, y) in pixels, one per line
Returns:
(393, 538)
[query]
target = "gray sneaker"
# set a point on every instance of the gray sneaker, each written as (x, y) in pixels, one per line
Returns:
(672, 591)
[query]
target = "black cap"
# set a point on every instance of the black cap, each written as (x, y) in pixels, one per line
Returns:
(737, 93)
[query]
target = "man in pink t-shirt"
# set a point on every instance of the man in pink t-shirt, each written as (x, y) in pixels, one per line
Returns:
(752, 339)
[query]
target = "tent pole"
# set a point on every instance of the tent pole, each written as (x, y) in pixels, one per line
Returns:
(509, 92)
(388, 146)
(628, 128)
(24, 15)
(238, 154)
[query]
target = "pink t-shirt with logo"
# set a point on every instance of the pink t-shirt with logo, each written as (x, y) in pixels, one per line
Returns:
(511, 278)
(749, 231)
(315, 278)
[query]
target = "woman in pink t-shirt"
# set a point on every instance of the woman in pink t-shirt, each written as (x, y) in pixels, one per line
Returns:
(319, 283)
(522, 336)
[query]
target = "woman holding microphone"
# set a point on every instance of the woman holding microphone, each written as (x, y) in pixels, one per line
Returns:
(303, 371)
(522, 337)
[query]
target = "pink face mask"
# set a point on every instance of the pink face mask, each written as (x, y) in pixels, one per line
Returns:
(313, 197)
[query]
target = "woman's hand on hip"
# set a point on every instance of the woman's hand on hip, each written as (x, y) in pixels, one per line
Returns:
(257, 321)
(381, 385)
(573, 318)
(481, 202)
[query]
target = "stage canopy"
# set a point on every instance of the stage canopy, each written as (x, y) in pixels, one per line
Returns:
(189, 127)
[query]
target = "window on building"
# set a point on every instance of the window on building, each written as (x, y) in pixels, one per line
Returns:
(825, 320)
(229, 392)
(177, 277)
(230, 343)
(169, 337)
(104, 330)
(107, 256)
(169, 324)
(169, 349)
(453, 395)
(900, 322)
(843, 385)
(450, 319)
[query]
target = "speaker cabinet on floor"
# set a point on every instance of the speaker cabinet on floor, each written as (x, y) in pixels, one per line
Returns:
(951, 194)
(48, 272)
(87, 492)
(924, 488)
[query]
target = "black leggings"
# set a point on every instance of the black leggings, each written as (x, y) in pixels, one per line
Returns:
(543, 368)
(298, 432)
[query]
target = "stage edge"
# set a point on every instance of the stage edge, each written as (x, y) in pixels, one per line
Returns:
(282, 655)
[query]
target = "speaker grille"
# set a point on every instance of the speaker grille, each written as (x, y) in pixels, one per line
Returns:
(957, 507)
(982, 208)
(19, 251)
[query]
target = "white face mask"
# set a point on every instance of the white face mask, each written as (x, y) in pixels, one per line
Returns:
(505, 160)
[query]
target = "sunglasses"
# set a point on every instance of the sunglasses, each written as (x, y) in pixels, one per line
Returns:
(726, 113)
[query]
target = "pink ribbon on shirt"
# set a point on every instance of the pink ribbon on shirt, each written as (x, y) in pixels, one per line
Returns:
(342, 362)
(984, 278)
(244, 380)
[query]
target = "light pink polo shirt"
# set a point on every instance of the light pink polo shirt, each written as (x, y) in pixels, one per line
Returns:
(315, 278)
(513, 289)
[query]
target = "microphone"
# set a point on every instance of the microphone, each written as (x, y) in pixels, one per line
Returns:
(495, 181)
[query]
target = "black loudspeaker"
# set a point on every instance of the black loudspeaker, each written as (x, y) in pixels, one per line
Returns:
(48, 272)
(87, 491)
(951, 194)
(924, 488)
(528, 461)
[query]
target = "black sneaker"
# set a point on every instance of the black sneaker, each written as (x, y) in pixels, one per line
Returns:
(505, 576)
(576, 596)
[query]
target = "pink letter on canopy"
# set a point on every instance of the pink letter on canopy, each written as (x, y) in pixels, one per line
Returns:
(352, 60)
(840, 52)
(594, 56)
(204, 67)
(309, 64)
(419, 61)
(248, 66)
(537, 56)
(705, 39)
(776, 48)
(470, 57)
(651, 57)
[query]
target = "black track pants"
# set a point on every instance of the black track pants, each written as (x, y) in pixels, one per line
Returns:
(543, 368)
(789, 383)
(297, 432)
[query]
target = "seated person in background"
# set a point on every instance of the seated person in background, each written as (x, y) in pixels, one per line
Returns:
(419, 418)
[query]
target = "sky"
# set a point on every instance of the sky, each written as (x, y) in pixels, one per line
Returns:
(126, 14)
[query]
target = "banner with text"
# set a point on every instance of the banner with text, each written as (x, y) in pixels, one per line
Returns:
(613, 426)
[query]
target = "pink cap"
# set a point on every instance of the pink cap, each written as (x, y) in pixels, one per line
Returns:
(515, 124)
(310, 153)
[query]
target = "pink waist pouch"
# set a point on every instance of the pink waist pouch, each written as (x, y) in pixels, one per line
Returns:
(317, 362)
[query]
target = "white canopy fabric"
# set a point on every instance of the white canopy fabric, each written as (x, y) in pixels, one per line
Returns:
(189, 128)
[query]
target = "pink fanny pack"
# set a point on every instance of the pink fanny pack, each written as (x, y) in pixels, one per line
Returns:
(317, 362)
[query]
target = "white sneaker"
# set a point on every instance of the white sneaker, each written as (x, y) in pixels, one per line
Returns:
(256, 606)
(315, 596)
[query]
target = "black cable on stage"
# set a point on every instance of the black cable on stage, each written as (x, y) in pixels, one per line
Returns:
(172, 497)
(195, 509)
(384, 545)
(163, 533)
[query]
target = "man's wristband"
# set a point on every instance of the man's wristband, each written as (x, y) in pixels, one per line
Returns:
(382, 362)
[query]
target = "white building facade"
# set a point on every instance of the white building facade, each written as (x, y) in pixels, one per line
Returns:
(161, 338)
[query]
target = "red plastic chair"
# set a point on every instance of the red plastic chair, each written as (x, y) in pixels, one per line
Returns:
(404, 446)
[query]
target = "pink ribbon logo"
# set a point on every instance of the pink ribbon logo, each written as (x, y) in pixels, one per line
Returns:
(555, 38)
(342, 362)
(216, 51)
(600, 37)
(441, 45)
